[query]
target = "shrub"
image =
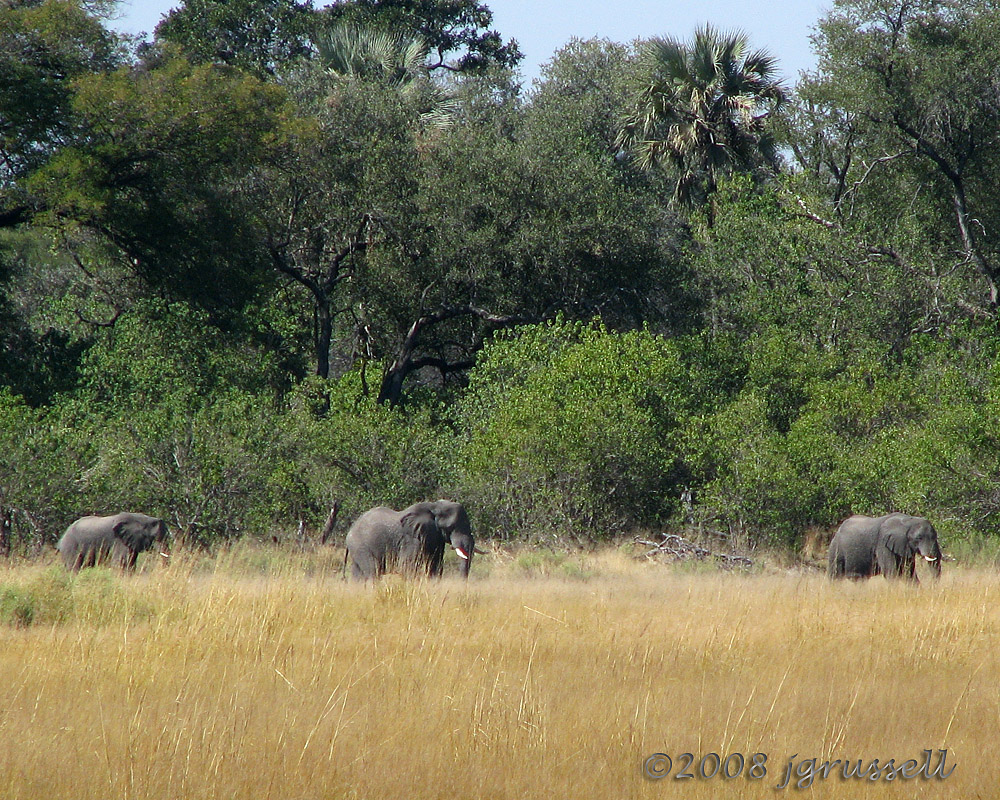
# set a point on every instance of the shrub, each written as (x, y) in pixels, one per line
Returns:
(338, 445)
(572, 429)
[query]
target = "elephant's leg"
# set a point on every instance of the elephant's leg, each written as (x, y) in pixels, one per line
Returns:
(364, 566)
(835, 562)
(411, 559)
(435, 561)
(124, 556)
(887, 564)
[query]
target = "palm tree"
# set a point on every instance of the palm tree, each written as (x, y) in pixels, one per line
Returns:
(394, 59)
(703, 108)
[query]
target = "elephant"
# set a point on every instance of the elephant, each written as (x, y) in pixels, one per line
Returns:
(411, 541)
(118, 538)
(887, 545)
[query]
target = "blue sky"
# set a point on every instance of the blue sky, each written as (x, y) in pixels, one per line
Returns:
(541, 27)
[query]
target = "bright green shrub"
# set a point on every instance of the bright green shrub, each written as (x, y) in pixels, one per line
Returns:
(572, 429)
(339, 446)
(802, 443)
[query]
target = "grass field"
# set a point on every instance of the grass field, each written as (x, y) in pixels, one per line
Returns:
(537, 679)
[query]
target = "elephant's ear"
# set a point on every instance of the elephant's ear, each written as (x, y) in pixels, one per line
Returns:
(134, 535)
(417, 523)
(893, 537)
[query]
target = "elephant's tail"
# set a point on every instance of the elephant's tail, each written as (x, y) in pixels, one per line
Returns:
(343, 571)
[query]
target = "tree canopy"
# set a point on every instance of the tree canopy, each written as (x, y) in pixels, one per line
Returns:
(284, 256)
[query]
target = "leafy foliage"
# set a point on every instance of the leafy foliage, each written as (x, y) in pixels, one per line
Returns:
(448, 27)
(918, 83)
(573, 429)
(497, 300)
(258, 36)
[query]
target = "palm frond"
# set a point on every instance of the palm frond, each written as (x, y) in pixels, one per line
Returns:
(703, 107)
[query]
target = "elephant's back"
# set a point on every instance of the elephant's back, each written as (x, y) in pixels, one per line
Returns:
(85, 531)
(372, 519)
(375, 515)
(73, 532)
(856, 521)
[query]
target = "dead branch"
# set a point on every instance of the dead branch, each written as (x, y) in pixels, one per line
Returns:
(331, 521)
(677, 548)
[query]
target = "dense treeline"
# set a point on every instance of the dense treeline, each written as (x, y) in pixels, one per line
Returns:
(280, 257)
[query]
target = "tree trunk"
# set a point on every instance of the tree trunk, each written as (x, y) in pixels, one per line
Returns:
(324, 334)
(969, 241)
(331, 521)
(6, 524)
(391, 390)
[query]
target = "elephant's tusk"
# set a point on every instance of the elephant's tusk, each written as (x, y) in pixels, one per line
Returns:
(930, 558)
(462, 553)
(165, 555)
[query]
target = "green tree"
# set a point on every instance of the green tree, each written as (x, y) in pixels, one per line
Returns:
(526, 212)
(39, 347)
(44, 48)
(703, 108)
(258, 36)
(766, 264)
(918, 79)
(386, 58)
(449, 27)
(155, 170)
(601, 237)
(341, 189)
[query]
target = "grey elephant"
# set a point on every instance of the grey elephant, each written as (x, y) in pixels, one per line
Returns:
(411, 541)
(117, 539)
(887, 545)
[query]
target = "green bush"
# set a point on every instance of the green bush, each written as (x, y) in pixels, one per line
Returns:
(17, 607)
(339, 446)
(572, 429)
(45, 453)
(918, 436)
(803, 443)
(45, 597)
(180, 422)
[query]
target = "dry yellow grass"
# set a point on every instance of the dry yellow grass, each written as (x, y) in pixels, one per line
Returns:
(180, 683)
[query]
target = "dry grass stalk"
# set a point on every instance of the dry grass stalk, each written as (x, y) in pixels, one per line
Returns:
(182, 683)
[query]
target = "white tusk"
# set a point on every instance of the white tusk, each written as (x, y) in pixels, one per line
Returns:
(929, 558)
(462, 553)
(165, 555)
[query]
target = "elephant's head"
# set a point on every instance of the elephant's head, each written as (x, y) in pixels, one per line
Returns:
(454, 524)
(140, 532)
(907, 537)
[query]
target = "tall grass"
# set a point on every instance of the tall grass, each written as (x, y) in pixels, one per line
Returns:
(253, 681)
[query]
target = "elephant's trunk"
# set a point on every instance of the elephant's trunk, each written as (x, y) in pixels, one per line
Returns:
(465, 549)
(465, 562)
(933, 560)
